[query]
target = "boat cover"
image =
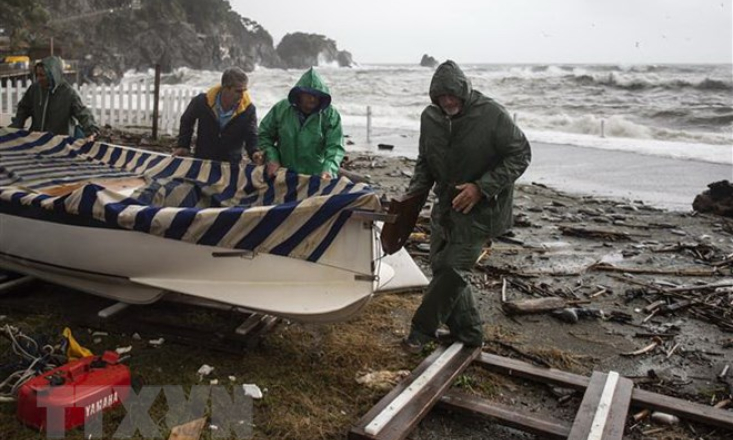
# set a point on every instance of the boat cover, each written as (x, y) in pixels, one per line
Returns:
(196, 201)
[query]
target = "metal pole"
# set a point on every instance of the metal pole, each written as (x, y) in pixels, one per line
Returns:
(369, 125)
(156, 99)
(603, 123)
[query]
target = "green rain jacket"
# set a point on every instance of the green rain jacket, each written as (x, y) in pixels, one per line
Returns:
(311, 147)
(481, 145)
(52, 109)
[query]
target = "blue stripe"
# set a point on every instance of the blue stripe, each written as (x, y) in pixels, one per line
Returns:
(114, 157)
(129, 155)
(195, 170)
(180, 224)
(38, 142)
(86, 148)
(170, 169)
(88, 198)
(271, 221)
(13, 136)
(335, 229)
(269, 195)
(215, 173)
(219, 228)
(332, 206)
(249, 188)
(144, 218)
(231, 188)
(101, 152)
(327, 190)
(291, 181)
(314, 184)
(140, 161)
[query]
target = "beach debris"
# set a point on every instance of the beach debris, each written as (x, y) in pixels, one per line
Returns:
(385, 146)
(156, 342)
(647, 349)
(204, 370)
(381, 380)
(188, 431)
(661, 418)
(604, 234)
(123, 350)
(214, 382)
(534, 306)
(232, 378)
(252, 391)
(136, 337)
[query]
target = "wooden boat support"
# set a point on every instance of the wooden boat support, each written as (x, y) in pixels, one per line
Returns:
(602, 413)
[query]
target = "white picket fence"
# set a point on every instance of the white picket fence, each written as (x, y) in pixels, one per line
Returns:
(122, 105)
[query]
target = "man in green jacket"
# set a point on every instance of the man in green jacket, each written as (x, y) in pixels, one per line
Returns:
(472, 151)
(52, 104)
(303, 132)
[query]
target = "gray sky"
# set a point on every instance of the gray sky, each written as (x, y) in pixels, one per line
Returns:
(510, 31)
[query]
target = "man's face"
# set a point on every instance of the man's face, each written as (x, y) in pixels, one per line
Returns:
(308, 103)
(41, 77)
(451, 105)
(234, 93)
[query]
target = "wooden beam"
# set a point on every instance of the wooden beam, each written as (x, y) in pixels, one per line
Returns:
(504, 415)
(421, 402)
(602, 413)
(645, 399)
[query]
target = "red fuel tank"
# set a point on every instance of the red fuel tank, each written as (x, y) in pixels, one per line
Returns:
(66, 397)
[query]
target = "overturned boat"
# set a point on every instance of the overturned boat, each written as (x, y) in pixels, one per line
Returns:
(135, 225)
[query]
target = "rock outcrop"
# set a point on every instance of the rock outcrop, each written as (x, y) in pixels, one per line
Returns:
(717, 199)
(300, 50)
(109, 37)
(428, 61)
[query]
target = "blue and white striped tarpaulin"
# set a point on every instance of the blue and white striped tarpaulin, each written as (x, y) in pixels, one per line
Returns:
(196, 201)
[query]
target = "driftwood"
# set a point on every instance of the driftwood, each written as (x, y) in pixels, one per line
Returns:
(533, 306)
(603, 234)
(605, 267)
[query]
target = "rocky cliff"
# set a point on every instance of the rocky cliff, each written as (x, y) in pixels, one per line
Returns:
(301, 50)
(110, 37)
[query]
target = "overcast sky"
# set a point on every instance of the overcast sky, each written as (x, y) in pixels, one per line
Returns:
(510, 31)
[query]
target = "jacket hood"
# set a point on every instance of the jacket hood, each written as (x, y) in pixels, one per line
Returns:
(243, 104)
(54, 71)
(449, 79)
(311, 82)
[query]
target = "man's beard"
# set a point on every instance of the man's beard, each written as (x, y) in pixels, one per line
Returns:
(452, 111)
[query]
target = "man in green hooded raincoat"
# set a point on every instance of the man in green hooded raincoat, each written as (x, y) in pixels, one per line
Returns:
(471, 151)
(52, 104)
(303, 132)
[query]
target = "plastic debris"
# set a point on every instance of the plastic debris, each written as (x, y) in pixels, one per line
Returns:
(382, 380)
(156, 342)
(252, 390)
(204, 370)
(665, 419)
(123, 350)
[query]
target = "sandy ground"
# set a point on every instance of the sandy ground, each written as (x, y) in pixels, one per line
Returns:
(631, 235)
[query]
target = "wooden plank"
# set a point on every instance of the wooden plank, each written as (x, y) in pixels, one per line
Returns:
(620, 409)
(411, 392)
(411, 415)
(645, 399)
(584, 418)
(504, 415)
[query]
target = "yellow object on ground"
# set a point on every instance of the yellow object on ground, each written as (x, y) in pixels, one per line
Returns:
(75, 350)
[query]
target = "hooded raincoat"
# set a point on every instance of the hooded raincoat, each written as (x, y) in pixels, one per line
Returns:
(307, 144)
(53, 109)
(479, 145)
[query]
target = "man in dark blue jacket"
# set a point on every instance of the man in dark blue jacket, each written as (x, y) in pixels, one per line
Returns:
(227, 122)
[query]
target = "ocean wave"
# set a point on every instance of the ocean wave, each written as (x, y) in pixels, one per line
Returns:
(635, 83)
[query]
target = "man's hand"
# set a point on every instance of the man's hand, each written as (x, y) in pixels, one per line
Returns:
(272, 168)
(326, 175)
(91, 138)
(258, 158)
(180, 151)
(468, 197)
